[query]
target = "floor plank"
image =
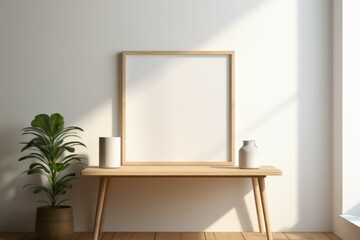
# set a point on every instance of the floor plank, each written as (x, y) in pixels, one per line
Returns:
(210, 236)
(13, 236)
(193, 236)
(30, 236)
(227, 236)
(262, 236)
(143, 236)
(122, 236)
(168, 236)
(75, 236)
(307, 236)
(332, 236)
(108, 236)
(85, 236)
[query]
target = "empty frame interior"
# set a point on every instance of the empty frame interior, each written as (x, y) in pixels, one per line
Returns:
(177, 108)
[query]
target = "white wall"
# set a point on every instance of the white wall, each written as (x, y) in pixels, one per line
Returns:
(62, 56)
(351, 110)
(346, 116)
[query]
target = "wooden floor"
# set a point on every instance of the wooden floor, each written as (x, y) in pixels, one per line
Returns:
(183, 236)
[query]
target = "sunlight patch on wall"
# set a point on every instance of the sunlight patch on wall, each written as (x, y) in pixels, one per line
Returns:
(96, 123)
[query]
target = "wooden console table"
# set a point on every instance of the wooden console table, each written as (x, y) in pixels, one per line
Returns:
(257, 176)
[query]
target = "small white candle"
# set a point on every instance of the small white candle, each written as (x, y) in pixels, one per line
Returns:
(109, 152)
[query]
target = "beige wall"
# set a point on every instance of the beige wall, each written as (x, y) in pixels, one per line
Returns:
(62, 56)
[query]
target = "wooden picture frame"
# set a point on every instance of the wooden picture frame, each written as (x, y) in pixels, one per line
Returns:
(177, 108)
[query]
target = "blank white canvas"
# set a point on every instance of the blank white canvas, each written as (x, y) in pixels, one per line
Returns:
(177, 108)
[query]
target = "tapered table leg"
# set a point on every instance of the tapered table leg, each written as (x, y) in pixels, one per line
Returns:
(103, 187)
(103, 213)
(256, 191)
(265, 207)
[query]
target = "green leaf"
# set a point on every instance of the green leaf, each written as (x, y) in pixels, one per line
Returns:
(74, 143)
(70, 149)
(39, 167)
(67, 131)
(68, 177)
(44, 202)
(35, 171)
(56, 123)
(70, 156)
(64, 200)
(28, 157)
(35, 156)
(42, 121)
(36, 144)
(37, 190)
(73, 159)
(58, 167)
(37, 132)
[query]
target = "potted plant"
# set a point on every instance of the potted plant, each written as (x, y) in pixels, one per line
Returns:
(52, 153)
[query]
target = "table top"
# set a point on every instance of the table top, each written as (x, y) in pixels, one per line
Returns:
(180, 171)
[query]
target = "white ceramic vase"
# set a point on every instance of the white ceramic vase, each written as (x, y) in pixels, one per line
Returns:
(109, 152)
(249, 155)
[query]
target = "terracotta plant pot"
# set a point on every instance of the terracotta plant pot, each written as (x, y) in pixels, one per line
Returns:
(54, 223)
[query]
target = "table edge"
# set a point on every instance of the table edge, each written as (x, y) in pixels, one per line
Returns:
(263, 171)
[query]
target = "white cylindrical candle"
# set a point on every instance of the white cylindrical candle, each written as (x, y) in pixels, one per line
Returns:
(109, 152)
